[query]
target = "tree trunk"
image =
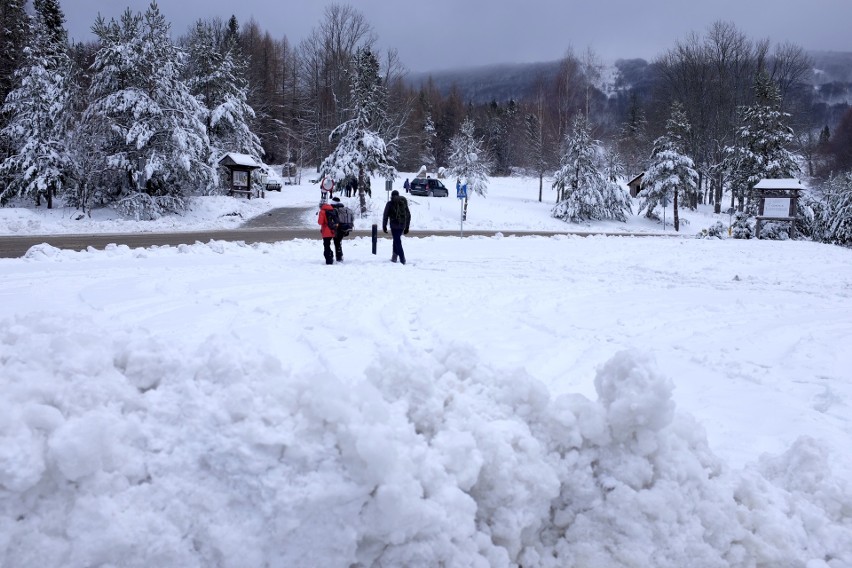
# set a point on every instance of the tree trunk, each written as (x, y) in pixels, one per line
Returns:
(698, 191)
(362, 194)
(50, 197)
(674, 212)
(464, 213)
(540, 184)
(719, 184)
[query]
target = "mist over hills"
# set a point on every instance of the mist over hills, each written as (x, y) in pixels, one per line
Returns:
(499, 82)
(831, 78)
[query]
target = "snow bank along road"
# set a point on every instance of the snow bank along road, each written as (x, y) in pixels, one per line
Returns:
(17, 246)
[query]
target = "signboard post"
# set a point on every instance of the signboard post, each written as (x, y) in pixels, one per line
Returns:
(461, 194)
(778, 202)
(776, 207)
(665, 203)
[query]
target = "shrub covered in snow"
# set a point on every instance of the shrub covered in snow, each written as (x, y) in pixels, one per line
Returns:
(743, 227)
(716, 231)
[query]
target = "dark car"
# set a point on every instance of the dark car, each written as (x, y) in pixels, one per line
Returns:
(428, 187)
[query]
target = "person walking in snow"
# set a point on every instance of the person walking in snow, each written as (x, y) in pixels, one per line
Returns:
(396, 211)
(406, 186)
(327, 232)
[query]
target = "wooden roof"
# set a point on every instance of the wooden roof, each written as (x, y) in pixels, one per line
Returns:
(636, 178)
(240, 160)
(779, 183)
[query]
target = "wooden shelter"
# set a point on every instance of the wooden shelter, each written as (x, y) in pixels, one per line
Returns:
(240, 168)
(635, 185)
(778, 201)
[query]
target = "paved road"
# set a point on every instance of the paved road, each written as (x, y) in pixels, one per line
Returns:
(272, 228)
(281, 218)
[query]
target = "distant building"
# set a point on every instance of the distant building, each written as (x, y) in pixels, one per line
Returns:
(635, 185)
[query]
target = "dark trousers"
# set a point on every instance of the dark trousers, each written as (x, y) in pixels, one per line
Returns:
(338, 246)
(396, 232)
(326, 250)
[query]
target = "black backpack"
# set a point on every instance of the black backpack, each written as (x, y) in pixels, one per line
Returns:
(340, 219)
(345, 219)
(397, 210)
(331, 218)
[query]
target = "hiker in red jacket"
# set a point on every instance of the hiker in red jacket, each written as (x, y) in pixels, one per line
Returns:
(326, 232)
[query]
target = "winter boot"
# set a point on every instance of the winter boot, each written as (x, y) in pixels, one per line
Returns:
(393, 258)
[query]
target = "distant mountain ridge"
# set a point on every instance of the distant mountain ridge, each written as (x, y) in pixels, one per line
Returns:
(832, 78)
(483, 84)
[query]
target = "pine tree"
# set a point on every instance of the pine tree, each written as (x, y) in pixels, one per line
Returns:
(497, 137)
(367, 142)
(50, 14)
(213, 78)
(427, 150)
(14, 31)
(671, 173)
(468, 161)
(149, 129)
(762, 140)
(633, 138)
(39, 110)
(534, 138)
(834, 218)
(584, 192)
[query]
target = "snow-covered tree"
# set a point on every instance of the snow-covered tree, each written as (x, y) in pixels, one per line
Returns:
(834, 218)
(427, 143)
(633, 140)
(40, 163)
(14, 29)
(533, 137)
(613, 165)
(362, 147)
(214, 78)
(584, 191)
(468, 161)
(762, 141)
(150, 130)
(671, 172)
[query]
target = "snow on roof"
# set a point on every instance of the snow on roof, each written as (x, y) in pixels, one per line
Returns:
(635, 178)
(781, 183)
(241, 160)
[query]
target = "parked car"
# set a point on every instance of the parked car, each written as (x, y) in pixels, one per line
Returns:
(268, 177)
(429, 187)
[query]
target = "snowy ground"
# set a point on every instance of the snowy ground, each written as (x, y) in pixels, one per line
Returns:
(564, 401)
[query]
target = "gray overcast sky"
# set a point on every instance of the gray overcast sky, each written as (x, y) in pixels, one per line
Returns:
(445, 34)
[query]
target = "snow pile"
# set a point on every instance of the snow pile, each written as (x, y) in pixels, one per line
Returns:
(116, 448)
(209, 212)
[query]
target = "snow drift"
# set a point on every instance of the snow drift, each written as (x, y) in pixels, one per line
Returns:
(117, 449)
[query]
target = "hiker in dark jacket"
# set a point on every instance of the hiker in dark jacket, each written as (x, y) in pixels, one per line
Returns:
(396, 211)
(339, 232)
